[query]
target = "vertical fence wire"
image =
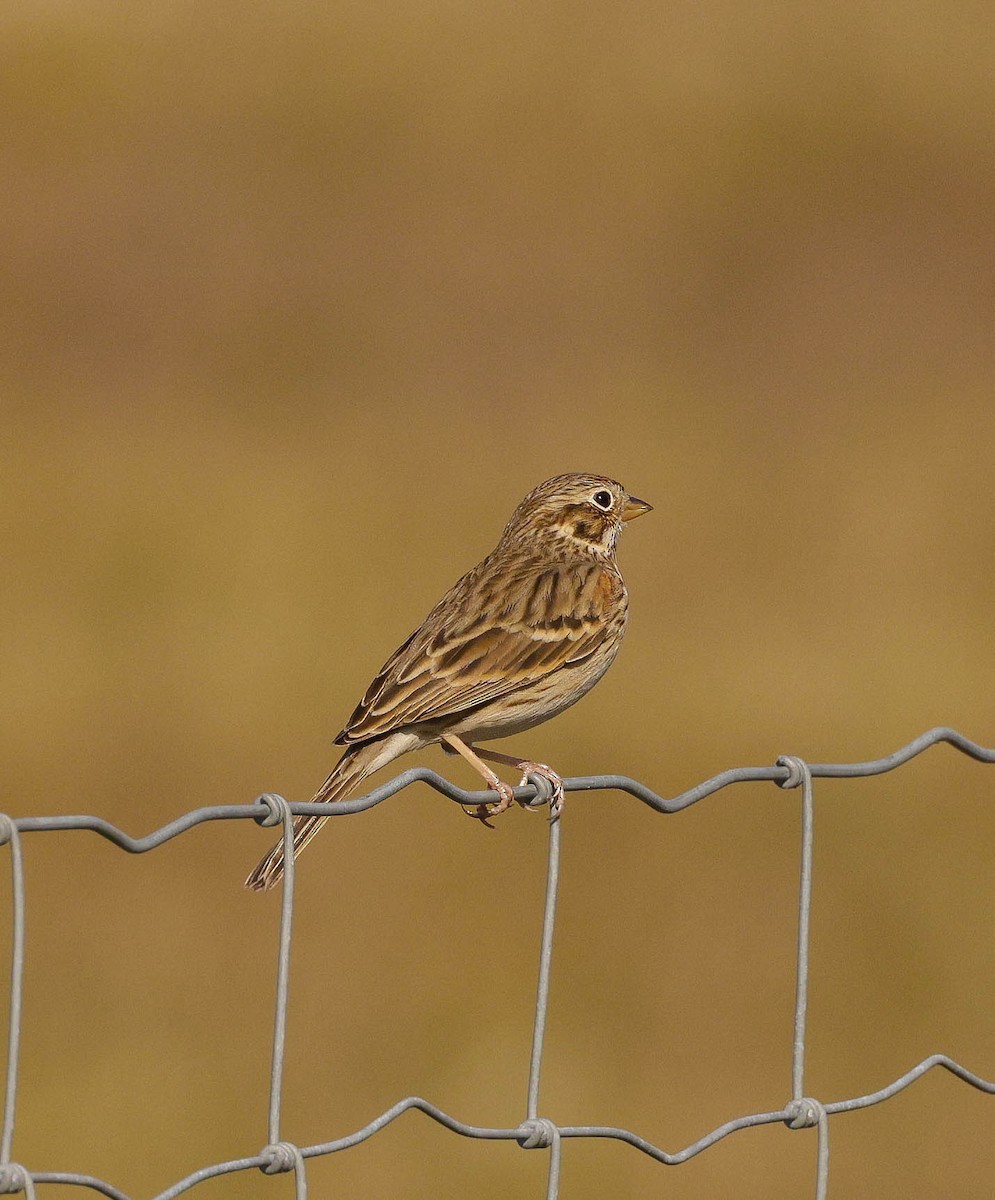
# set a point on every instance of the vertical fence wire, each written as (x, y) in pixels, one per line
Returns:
(545, 965)
(801, 775)
(282, 1156)
(9, 832)
(550, 1134)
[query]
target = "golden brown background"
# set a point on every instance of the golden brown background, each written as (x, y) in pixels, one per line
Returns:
(298, 301)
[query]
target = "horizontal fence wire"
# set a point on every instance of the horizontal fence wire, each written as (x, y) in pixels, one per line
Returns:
(534, 1131)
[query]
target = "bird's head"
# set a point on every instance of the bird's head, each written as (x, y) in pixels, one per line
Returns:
(582, 513)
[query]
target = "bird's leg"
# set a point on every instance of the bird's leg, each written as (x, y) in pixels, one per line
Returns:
(528, 767)
(504, 790)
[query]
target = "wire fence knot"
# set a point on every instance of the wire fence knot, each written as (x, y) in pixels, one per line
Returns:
(797, 771)
(805, 1113)
(281, 1157)
(537, 1133)
(274, 810)
(6, 829)
(13, 1177)
(544, 790)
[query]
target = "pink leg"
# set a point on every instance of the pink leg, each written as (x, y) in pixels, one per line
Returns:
(506, 794)
(528, 767)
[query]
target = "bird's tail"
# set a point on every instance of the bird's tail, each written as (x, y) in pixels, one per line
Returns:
(350, 770)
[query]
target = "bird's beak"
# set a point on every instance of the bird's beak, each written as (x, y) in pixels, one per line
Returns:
(635, 508)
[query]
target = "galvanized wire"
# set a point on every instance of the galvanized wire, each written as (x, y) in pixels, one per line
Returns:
(9, 833)
(801, 775)
(282, 1156)
(534, 1131)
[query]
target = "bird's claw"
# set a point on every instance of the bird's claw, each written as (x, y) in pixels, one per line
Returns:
(506, 797)
(549, 788)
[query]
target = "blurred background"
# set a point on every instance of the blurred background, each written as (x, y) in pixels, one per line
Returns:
(298, 302)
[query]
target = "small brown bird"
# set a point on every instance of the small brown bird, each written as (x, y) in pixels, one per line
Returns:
(518, 639)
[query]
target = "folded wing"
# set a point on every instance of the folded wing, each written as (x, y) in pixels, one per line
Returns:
(493, 633)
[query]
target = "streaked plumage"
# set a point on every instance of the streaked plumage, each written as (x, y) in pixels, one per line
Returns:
(518, 639)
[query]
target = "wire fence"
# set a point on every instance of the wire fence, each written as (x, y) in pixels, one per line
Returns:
(535, 1131)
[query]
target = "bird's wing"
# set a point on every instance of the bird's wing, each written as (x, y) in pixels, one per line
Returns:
(492, 634)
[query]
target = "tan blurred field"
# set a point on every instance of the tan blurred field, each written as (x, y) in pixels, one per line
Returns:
(298, 301)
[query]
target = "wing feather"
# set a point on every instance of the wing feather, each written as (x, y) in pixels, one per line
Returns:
(495, 632)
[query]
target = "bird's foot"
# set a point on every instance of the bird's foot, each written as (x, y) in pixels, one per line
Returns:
(506, 797)
(552, 792)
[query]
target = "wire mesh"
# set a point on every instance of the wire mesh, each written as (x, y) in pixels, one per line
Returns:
(535, 1131)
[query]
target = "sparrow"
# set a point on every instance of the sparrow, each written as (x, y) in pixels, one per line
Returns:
(519, 638)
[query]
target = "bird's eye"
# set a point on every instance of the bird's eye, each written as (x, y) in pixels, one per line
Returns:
(603, 500)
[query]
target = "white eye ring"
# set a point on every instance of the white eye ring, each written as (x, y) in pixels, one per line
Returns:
(602, 499)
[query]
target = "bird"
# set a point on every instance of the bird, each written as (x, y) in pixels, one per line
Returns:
(517, 640)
